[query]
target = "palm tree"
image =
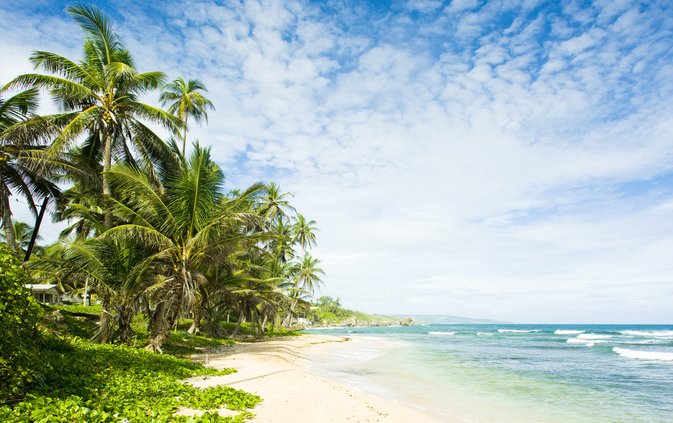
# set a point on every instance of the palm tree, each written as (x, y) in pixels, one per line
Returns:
(274, 204)
(15, 173)
(186, 101)
(304, 232)
(117, 269)
(306, 277)
(99, 97)
(307, 274)
(22, 234)
(189, 226)
(282, 241)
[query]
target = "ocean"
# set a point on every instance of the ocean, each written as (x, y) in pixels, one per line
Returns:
(513, 373)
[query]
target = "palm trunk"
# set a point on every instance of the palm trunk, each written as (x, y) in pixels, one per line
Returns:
(288, 320)
(8, 226)
(266, 319)
(160, 328)
(105, 322)
(173, 315)
(107, 191)
(241, 319)
(198, 311)
(195, 328)
(184, 137)
(277, 322)
(125, 318)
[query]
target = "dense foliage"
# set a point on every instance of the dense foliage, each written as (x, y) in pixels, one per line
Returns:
(153, 229)
(82, 381)
(18, 318)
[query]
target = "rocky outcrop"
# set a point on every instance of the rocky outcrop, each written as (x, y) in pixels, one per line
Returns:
(407, 321)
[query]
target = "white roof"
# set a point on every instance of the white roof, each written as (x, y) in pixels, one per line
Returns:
(40, 286)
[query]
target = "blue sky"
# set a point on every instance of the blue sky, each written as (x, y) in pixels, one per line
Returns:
(507, 159)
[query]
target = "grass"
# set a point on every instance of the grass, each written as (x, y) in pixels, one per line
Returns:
(78, 320)
(92, 310)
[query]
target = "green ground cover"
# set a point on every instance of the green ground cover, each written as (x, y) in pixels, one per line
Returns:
(83, 381)
(51, 372)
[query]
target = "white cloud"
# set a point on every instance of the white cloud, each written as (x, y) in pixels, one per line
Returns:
(454, 166)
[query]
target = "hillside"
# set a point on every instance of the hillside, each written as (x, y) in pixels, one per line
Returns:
(327, 311)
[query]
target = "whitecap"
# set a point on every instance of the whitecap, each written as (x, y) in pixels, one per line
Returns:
(567, 332)
(442, 333)
(644, 355)
(593, 336)
(517, 330)
(649, 333)
(587, 342)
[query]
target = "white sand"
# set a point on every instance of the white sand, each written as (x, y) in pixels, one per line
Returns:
(291, 393)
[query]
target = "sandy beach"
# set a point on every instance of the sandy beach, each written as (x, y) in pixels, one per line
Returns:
(277, 371)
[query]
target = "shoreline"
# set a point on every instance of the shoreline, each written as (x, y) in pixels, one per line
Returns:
(278, 371)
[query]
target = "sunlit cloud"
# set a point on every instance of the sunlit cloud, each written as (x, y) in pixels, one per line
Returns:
(484, 148)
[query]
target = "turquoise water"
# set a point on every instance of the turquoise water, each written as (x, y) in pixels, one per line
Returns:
(515, 373)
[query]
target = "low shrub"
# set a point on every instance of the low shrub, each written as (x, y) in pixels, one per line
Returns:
(18, 331)
(88, 382)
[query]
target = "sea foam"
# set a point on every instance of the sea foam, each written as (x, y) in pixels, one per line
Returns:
(593, 336)
(587, 342)
(649, 333)
(442, 333)
(567, 332)
(517, 330)
(644, 355)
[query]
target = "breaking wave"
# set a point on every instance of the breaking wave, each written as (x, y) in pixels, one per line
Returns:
(644, 355)
(568, 332)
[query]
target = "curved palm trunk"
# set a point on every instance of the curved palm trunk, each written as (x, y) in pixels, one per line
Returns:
(264, 322)
(195, 328)
(289, 319)
(160, 327)
(197, 313)
(8, 225)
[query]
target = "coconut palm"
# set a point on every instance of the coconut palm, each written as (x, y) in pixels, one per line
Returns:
(305, 278)
(304, 232)
(22, 233)
(189, 226)
(16, 176)
(307, 274)
(185, 100)
(117, 270)
(99, 97)
(281, 245)
(274, 204)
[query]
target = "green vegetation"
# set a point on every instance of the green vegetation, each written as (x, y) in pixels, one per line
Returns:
(49, 374)
(153, 230)
(164, 249)
(18, 319)
(327, 311)
(82, 381)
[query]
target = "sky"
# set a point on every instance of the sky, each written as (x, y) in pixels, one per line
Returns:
(509, 160)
